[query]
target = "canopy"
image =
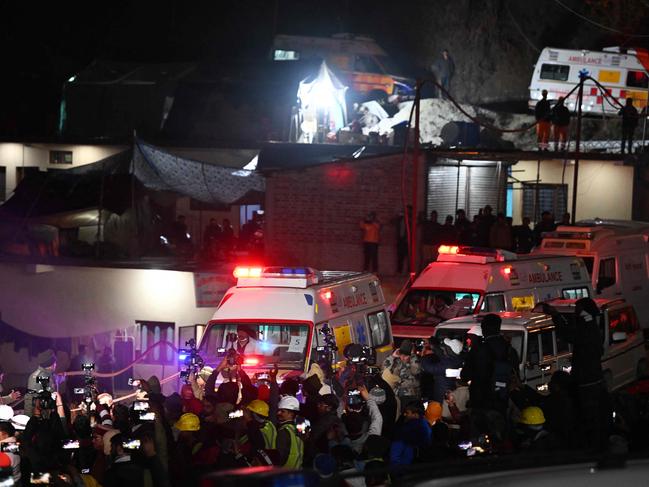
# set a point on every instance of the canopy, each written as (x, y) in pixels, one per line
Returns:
(324, 95)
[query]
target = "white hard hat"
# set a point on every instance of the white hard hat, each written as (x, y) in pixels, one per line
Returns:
(454, 345)
(289, 402)
(6, 412)
(19, 421)
(475, 330)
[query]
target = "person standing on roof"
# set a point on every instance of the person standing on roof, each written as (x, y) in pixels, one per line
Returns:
(560, 124)
(444, 68)
(629, 116)
(543, 115)
(371, 234)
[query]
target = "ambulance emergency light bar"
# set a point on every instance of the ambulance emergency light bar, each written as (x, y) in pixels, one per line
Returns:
(483, 254)
(275, 276)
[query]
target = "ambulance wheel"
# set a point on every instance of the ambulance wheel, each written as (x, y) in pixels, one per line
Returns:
(641, 369)
(608, 380)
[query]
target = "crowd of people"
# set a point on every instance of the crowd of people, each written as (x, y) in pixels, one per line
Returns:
(427, 402)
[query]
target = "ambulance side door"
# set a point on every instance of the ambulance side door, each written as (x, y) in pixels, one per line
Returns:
(608, 283)
(532, 362)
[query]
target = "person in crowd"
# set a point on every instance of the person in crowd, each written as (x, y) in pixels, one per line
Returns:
(405, 365)
(412, 436)
(106, 365)
(327, 426)
(290, 446)
(523, 237)
(431, 238)
(490, 366)
(444, 365)
(261, 432)
(227, 239)
(371, 237)
(46, 367)
(543, 116)
(583, 332)
(401, 232)
(484, 222)
(531, 433)
(560, 124)
(123, 471)
(545, 225)
(500, 234)
(630, 118)
(448, 232)
(444, 69)
(440, 446)
(211, 239)
(463, 227)
(362, 418)
(13, 395)
(8, 435)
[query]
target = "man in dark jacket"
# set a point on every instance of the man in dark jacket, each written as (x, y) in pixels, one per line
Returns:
(560, 124)
(543, 115)
(442, 365)
(629, 123)
(490, 365)
(583, 332)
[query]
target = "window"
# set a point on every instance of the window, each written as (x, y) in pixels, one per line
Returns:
(60, 157)
(285, 55)
(562, 345)
(430, 306)
(366, 64)
(3, 183)
(624, 320)
(154, 335)
(550, 197)
(575, 293)
(379, 328)
(555, 72)
(637, 79)
(494, 303)
(547, 342)
(533, 349)
(589, 261)
(606, 275)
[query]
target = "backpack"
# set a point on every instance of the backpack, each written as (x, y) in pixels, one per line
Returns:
(502, 373)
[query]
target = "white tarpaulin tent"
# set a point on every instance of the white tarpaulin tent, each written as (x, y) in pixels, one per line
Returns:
(322, 103)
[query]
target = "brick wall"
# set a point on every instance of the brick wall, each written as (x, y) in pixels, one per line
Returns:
(313, 214)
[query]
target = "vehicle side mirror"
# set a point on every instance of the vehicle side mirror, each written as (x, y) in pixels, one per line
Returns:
(604, 282)
(619, 336)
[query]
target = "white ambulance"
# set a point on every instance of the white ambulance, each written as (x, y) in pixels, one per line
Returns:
(616, 255)
(623, 74)
(467, 280)
(281, 310)
(542, 350)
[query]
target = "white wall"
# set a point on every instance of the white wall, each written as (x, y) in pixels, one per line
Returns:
(604, 188)
(14, 155)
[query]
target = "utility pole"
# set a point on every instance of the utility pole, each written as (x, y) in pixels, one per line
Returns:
(580, 96)
(415, 166)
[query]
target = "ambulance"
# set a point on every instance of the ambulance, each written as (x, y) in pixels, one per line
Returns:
(622, 73)
(542, 350)
(467, 280)
(282, 310)
(616, 254)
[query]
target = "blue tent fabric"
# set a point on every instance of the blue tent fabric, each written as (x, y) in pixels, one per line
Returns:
(159, 170)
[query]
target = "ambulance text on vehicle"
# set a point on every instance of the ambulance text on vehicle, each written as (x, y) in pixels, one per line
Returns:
(616, 254)
(467, 280)
(281, 310)
(623, 75)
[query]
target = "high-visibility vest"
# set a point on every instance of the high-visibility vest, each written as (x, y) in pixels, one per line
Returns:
(269, 432)
(296, 451)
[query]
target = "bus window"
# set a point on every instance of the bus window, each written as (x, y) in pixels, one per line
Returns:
(575, 293)
(555, 72)
(378, 328)
(547, 343)
(637, 79)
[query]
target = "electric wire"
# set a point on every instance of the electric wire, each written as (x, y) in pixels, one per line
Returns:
(597, 24)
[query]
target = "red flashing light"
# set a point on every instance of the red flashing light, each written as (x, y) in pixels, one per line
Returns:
(251, 361)
(240, 272)
(507, 271)
(449, 249)
(327, 295)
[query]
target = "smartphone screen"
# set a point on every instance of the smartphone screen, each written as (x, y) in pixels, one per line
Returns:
(40, 478)
(147, 416)
(71, 444)
(131, 444)
(140, 405)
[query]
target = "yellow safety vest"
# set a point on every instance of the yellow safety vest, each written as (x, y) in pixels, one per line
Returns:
(269, 432)
(296, 452)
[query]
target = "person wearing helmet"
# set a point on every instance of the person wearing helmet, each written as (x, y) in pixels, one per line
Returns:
(289, 445)
(261, 432)
(531, 434)
(583, 332)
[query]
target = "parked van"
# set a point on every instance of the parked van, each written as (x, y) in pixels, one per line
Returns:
(623, 73)
(359, 61)
(542, 351)
(467, 280)
(282, 311)
(616, 255)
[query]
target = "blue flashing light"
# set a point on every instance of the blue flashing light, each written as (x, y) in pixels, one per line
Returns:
(182, 357)
(292, 271)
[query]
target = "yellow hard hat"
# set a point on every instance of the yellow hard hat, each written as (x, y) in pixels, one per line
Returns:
(188, 422)
(532, 416)
(259, 407)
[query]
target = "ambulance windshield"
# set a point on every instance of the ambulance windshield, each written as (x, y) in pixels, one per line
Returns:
(515, 338)
(260, 345)
(431, 306)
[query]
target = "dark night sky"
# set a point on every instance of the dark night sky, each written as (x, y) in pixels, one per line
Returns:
(44, 43)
